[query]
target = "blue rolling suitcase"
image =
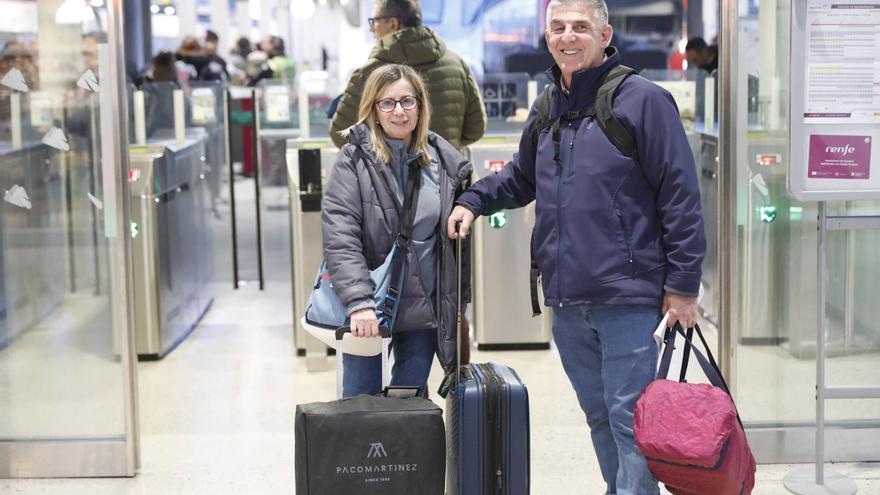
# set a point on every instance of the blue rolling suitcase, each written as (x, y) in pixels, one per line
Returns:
(487, 428)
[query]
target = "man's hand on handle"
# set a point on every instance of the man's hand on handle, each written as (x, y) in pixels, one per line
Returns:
(463, 215)
(364, 323)
(681, 309)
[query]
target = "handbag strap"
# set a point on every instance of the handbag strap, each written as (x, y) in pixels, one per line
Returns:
(388, 311)
(709, 365)
(707, 362)
(685, 359)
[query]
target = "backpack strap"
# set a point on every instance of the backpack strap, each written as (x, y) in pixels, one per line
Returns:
(545, 99)
(614, 129)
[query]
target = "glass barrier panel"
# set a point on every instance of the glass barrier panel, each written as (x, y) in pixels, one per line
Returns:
(506, 99)
(158, 113)
(59, 348)
(209, 113)
(279, 105)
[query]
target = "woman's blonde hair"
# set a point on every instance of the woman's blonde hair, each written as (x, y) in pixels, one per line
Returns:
(378, 81)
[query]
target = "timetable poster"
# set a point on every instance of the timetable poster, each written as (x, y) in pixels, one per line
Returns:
(842, 80)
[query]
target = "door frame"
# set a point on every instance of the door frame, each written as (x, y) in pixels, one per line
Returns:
(106, 456)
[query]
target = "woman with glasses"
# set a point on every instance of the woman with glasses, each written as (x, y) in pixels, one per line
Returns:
(361, 217)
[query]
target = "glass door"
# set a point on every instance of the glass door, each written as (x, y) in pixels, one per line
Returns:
(770, 306)
(67, 373)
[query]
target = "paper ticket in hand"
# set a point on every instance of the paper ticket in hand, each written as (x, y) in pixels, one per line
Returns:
(661, 328)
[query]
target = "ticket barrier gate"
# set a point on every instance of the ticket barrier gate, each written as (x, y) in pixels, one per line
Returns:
(501, 260)
(309, 164)
(171, 242)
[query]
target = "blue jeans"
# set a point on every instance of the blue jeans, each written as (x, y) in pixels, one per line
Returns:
(413, 355)
(609, 355)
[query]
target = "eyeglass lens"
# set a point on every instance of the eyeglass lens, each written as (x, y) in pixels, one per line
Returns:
(407, 103)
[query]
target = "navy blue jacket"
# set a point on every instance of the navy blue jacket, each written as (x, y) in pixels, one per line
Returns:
(608, 229)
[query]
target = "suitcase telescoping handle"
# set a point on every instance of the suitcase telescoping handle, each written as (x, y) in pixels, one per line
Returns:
(452, 379)
(385, 333)
(458, 310)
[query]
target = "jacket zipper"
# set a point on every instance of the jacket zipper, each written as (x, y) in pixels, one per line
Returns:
(626, 236)
(559, 218)
(441, 260)
(488, 470)
(495, 456)
(500, 428)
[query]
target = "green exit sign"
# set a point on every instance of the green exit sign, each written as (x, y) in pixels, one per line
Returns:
(498, 220)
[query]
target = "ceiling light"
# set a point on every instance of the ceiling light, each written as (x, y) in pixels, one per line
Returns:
(255, 9)
(302, 9)
(73, 12)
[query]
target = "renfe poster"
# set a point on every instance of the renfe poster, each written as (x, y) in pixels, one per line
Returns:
(834, 124)
(839, 157)
(842, 83)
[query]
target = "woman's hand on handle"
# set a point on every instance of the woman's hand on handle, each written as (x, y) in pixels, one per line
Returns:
(364, 323)
(460, 214)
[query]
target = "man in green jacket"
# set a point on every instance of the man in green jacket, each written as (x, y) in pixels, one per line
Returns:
(458, 112)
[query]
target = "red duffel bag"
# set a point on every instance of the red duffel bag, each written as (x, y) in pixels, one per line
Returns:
(690, 433)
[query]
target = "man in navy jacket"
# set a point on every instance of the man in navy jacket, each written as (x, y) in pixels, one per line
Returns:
(619, 241)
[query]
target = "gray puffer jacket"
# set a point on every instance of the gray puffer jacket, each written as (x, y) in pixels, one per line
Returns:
(360, 216)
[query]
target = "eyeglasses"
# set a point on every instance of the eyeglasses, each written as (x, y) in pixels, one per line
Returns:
(406, 103)
(372, 20)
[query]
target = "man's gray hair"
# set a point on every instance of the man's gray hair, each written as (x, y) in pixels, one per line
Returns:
(600, 10)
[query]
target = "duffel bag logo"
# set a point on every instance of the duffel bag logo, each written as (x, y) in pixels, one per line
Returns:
(381, 473)
(376, 450)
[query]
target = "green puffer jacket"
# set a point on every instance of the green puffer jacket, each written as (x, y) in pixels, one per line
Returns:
(457, 110)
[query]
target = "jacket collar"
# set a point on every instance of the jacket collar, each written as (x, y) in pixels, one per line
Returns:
(410, 46)
(440, 151)
(360, 136)
(584, 83)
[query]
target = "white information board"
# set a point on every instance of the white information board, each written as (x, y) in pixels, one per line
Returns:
(835, 100)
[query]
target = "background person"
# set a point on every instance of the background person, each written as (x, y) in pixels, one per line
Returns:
(458, 112)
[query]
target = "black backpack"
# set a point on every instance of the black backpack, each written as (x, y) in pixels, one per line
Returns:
(614, 130)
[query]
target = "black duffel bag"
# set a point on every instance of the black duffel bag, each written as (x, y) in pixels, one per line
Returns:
(370, 445)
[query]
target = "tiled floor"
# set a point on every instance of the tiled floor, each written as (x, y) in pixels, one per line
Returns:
(217, 415)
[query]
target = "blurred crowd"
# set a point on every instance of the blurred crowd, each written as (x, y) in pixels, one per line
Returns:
(197, 59)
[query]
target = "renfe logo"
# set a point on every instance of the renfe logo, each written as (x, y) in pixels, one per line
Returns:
(834, 156)
(376, 450)
(840, 150)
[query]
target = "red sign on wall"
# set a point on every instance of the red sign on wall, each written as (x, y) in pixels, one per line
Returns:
(494, 166)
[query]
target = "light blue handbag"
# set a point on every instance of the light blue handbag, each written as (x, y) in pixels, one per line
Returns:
(324, 308)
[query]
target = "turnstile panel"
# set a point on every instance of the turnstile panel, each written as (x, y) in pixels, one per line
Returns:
(501, 260)
(309, 165)
(172, 245)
